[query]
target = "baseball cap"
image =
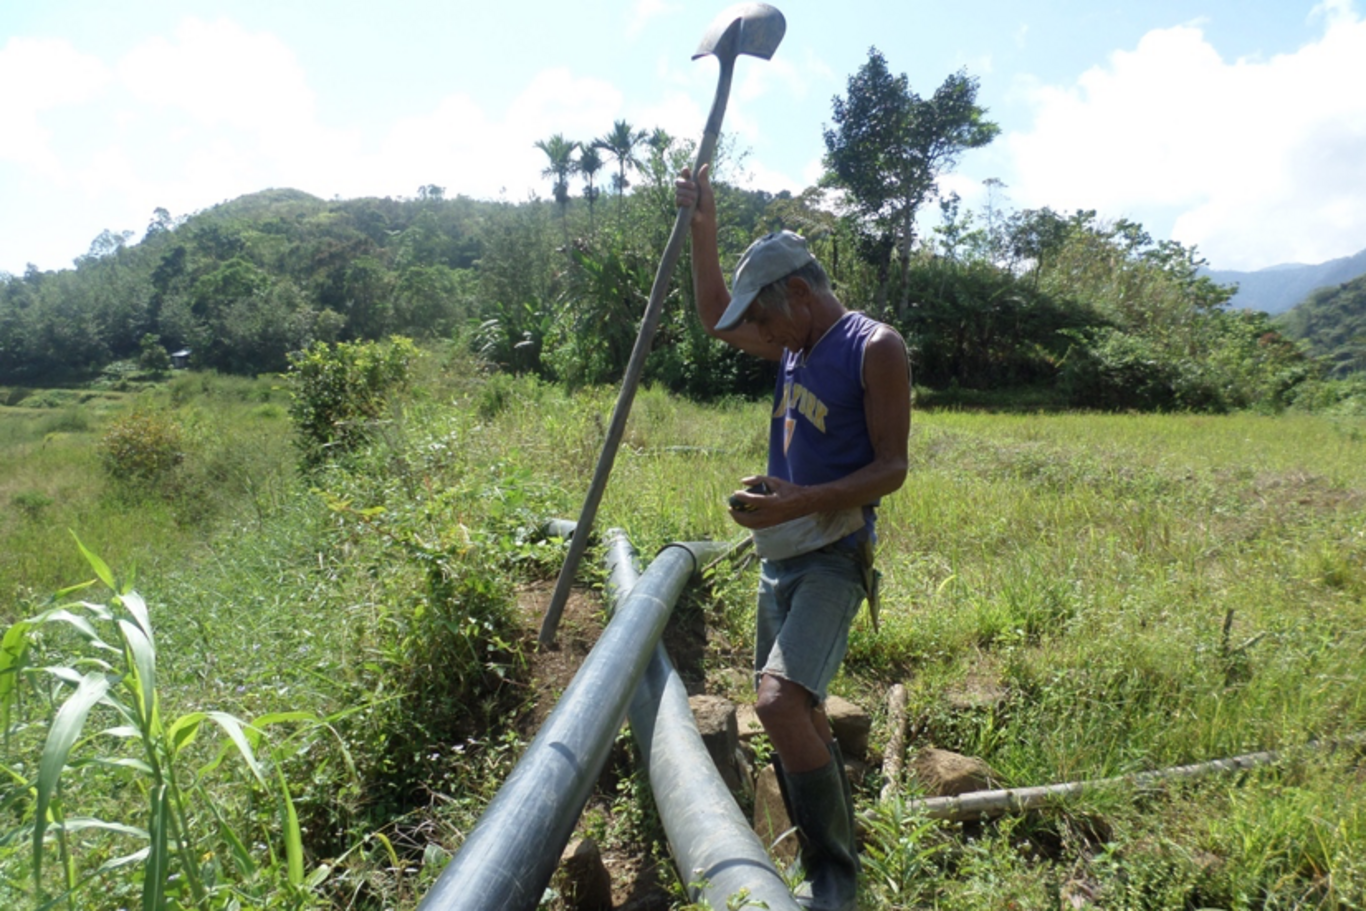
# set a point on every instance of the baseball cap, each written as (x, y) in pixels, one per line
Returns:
(768, 259)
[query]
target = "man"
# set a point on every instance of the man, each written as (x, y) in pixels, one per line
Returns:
(837, 444)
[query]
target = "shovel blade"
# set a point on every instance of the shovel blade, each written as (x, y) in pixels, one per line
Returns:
(755, 29)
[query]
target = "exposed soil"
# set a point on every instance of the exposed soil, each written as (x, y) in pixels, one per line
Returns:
(636, 879)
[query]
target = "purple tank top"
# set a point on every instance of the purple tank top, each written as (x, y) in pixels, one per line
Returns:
(819, 430)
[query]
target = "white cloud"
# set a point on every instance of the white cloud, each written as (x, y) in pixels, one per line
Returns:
(221, 75)
(1253, 157)
(646, 11)
(39, 76)
(460, 146)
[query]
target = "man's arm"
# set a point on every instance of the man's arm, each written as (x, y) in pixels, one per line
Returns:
(708, 280)
(887, 407)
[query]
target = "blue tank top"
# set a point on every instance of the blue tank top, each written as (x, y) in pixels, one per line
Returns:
(819, 431)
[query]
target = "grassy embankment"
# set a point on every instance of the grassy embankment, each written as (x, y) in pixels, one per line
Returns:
(1058, 598)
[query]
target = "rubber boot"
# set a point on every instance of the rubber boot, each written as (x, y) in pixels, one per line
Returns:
(848, 789)
(804, 856)
(825, 819)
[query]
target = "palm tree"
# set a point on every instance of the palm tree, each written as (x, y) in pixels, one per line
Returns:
(589, 164)
(621, 145)
(560, 151)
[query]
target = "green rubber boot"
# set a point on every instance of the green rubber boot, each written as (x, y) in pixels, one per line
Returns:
(824, 816)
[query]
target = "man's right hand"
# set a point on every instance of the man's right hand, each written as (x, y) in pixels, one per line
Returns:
(696, 193)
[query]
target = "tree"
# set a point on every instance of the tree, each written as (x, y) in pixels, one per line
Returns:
(106, 244)
(887, 150)
(560, 151)
(621, 144)
(589, 164)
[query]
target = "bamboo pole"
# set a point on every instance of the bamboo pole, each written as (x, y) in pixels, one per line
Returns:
(981, 804)
(895, 757)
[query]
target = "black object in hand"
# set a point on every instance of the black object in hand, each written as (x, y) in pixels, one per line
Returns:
(740, 505)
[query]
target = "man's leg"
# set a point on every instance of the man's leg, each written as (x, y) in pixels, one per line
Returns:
(804, 618)
(798, 728)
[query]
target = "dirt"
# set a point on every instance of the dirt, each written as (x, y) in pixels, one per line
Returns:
(637, 884)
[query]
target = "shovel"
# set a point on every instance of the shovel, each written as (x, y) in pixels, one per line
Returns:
(750, 28)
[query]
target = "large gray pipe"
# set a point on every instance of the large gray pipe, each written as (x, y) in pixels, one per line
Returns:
(509, 858)
(717, 853)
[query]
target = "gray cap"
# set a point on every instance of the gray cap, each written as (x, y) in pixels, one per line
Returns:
(768, 259)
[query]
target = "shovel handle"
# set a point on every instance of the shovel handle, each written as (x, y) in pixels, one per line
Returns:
(616, 429)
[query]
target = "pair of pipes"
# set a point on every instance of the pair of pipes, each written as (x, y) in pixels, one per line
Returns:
(511, 855)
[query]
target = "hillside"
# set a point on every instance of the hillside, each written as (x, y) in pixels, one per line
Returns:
(1278, 288)
(1333, 321)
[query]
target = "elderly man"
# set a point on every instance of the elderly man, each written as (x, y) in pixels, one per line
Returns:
(837, 445)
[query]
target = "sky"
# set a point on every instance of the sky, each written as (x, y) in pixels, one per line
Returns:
(1236, 126)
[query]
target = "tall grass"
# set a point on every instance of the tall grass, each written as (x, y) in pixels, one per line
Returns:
(1127, 591)
(55, 687)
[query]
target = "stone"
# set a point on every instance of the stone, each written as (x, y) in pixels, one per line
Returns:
(770, 817)
(585, 883)
(715, 718)
(850, 724)
(947, 774)
(747, 723)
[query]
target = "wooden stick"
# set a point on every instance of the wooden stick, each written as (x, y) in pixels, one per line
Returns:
(896, 744)
(984, 804)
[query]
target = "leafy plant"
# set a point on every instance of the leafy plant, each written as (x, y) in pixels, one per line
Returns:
(142, 446)
(339, 390)
(115, 680)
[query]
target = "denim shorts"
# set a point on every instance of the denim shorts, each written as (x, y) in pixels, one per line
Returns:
(806, 604)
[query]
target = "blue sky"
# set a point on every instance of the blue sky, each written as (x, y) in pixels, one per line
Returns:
(1235, 125)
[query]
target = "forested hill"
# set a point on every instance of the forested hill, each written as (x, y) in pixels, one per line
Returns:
(1277, 289)
(247, 281)
(1333, 321)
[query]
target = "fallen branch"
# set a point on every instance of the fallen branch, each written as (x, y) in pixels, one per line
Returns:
(984, 804)
(894, 759)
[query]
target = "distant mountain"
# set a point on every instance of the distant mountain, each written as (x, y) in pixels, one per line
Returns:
(1278, 288)
(1333, 322)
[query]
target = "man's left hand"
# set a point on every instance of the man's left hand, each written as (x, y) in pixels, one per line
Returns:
(781, 504)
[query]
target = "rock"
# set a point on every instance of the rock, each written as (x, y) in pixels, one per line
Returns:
(770, 816)
(948, 774)
(715, 717)
(977, 692)
(857, 770)
(850, 725)
(747, 723)
(586, 885)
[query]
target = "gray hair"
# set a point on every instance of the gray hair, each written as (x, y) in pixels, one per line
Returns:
(772, 297)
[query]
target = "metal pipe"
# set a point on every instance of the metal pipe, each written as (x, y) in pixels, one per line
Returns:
(717, 853)
(509, 858)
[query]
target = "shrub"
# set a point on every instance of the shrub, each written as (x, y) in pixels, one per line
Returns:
(153, 357)
(341, 389)
(1117, 371)
(142, 446)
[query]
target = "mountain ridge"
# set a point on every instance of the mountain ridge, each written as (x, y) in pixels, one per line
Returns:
(1277, 289)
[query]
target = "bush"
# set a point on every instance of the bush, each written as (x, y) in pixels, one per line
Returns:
(142, 446)
(1117, 371)
(341, 389)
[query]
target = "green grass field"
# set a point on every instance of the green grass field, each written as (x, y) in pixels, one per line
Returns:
(1130, 592)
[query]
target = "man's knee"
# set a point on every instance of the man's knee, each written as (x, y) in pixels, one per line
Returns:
(782, 703)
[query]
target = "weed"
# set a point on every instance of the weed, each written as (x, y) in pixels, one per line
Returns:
(191, 850)
(31, 503)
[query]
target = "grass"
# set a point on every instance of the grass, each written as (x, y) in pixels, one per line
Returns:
(1135, 591)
